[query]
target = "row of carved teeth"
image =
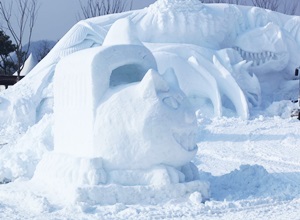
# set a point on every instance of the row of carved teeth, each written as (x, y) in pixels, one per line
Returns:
(257, 58)
(186, 140)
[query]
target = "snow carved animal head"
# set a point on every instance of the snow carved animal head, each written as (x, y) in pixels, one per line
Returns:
(146, 124)
(265, 47)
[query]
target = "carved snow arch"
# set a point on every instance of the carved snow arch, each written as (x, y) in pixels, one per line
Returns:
(81, 80)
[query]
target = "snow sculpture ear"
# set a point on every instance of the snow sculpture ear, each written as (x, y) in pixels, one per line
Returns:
(170, 76)
(122, 32)
(153, 84)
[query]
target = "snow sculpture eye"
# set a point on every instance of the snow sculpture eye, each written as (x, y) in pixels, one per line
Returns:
(173, 101)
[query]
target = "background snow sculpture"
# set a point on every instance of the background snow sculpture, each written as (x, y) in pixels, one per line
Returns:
(152, 124)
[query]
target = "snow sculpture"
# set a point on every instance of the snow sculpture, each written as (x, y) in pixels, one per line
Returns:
(199, 25)
(216, 56)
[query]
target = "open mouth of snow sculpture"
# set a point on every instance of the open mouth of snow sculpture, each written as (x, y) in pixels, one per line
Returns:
(186, 140)
(269, 53)
(262, 58)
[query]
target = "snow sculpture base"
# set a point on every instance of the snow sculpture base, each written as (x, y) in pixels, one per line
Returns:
(129, 195)
(84, 180)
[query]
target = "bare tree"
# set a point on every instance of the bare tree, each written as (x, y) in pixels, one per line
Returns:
(290, 8)
(287, 7)
(267, 4)
(44, 49)
(95, 8)
(237, 2)
(214, 1)
(25, 14)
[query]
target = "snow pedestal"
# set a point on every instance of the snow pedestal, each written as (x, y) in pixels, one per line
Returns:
(121, 129)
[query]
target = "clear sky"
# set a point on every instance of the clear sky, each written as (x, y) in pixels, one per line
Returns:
(56, 17)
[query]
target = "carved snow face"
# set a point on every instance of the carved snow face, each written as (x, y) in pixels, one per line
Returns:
(145, 124)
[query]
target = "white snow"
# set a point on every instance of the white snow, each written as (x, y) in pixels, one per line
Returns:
(177, 111)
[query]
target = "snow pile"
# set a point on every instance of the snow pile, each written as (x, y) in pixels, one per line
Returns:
(19, 158)
(81, 81)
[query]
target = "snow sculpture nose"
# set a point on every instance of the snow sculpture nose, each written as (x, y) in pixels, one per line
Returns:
(189, 117)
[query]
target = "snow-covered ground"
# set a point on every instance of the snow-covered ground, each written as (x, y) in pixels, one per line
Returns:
(252, 166)
(102, 127)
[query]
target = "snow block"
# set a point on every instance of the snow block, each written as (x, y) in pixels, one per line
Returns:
(64, 170)
(112, 194)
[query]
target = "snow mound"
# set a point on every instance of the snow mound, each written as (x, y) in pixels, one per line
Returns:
(251, 181)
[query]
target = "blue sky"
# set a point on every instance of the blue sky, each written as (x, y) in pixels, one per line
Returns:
(56, 17)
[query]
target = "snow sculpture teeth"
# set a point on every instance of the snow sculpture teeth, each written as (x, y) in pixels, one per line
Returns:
(257, 58)
(186, 140)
